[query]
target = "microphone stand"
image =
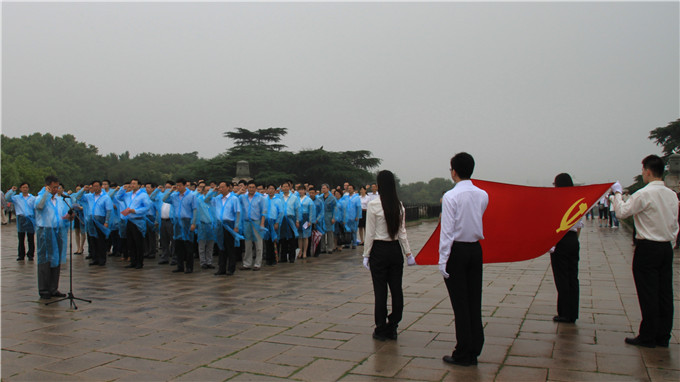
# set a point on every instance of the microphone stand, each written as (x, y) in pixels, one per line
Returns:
(70, 295)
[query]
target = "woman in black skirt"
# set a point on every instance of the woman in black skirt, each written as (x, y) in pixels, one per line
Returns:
(385, 245)
(564, 260)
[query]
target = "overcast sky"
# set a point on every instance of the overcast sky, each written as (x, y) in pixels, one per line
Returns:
(529, 89)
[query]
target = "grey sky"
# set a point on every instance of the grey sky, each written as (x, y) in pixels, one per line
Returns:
(529, 89)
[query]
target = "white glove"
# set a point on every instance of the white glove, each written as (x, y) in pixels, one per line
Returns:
(616, 187)
(442, 270)
(366, 263)
(410, 260)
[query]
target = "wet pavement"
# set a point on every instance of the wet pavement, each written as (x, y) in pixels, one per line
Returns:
(312, 321)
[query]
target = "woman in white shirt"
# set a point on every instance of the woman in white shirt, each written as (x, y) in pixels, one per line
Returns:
(385, 243)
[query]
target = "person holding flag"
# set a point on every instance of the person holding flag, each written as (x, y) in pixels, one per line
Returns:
(564, 258)
(460, 258)
(654, 209)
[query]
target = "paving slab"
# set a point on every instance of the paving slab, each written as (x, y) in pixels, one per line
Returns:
(312, 321)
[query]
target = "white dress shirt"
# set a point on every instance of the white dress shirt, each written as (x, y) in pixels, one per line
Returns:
(376, 228)
(462, 211)
(654, 209)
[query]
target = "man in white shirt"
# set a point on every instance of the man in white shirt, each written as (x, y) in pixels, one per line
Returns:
(460, 255)
(166, 233)
(655, 211)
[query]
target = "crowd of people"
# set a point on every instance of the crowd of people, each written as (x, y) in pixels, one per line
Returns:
(278, 224)
(182, 220)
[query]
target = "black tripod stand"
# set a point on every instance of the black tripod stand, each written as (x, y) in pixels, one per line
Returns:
(70, 295)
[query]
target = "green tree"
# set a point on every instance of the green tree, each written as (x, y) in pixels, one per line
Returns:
(261, 139)
(667, 137)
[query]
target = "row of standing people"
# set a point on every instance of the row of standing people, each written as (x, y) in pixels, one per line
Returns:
(243, 220)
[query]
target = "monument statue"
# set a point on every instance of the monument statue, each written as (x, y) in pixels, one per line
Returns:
(242, 171)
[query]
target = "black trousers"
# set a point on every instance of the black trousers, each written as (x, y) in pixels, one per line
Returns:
(287, 252)
(465, 291)
(135, 244)
(22, 245)
(99, 244)
(387, 268)
(227, 258)
(653, 274)
(184, 249)
(564, 262)
(270, 252)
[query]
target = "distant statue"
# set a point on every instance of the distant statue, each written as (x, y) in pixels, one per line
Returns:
(242, 171)
(672, 179)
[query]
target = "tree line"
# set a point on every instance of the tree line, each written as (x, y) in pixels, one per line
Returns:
(30, 158)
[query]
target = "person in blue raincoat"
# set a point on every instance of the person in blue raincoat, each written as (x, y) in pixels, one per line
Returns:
(253, 215)
(24, 204)
(50, 213)
(227, 210)
(153, 220)
(329, 202)
(273, 224)
(113, 242)
(98, 210)
(290, 224)
(339, 220)
(205, 225)
(308, 213)
(137, 204)
(318, 224)
(353, 214)
(184, 204)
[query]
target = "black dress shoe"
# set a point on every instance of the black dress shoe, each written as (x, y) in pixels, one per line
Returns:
(177, 270)
(204, 266)
(188, 271)
(58, 294)
(129, 266)
(45, 297)
(638, 342)
(663, 344)
(220, 273)
(460, 361)
(210, 266)
(173, 262)
(88, 257)
(230, 273)
(379, 336)
(163, 262)
(30, 258)
(93, 263)
(563, 319)
(140, 266)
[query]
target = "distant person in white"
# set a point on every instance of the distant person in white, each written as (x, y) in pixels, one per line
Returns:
(655, 211)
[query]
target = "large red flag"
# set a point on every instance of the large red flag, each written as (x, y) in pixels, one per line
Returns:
(522, 222)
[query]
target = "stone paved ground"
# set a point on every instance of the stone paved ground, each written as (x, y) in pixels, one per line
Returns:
(312, 321)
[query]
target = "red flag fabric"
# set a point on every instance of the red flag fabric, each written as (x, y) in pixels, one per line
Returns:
(521, 223)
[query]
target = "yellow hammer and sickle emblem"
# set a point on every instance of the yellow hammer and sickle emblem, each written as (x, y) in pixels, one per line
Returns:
(568, 220)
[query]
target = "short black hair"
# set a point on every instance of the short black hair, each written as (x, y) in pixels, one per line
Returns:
(107, 181)
(655, 164)
(95, 181)
(252, 182)
(563, 180)
(22, 184)
(170, 182)
(49, 179)
(242, 181)
(181, 180)
(464, 165)
(137, 179)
